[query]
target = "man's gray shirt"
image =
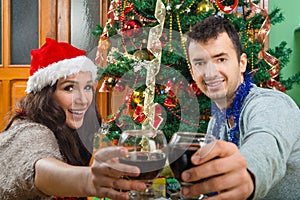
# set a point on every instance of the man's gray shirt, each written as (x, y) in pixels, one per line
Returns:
(269, 128)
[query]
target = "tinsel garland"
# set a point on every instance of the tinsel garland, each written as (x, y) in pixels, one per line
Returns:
(222, 115)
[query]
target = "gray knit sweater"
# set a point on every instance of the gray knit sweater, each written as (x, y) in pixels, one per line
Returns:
(270, 141)
(20, 148)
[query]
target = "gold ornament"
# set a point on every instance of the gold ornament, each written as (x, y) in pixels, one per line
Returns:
(141, 54)
(138, 96)
(204, 6)
(110, 80)
(238, 15)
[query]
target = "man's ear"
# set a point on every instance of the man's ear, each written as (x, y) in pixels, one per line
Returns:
(243, 62)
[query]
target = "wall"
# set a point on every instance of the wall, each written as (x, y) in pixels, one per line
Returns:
(285, 31)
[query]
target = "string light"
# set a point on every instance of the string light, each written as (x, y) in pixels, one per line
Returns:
(175, 114)
(122, 24)
(171, 33)
(187, 8)
(183, 43)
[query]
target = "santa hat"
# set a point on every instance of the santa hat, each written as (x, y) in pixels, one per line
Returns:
(55, 60)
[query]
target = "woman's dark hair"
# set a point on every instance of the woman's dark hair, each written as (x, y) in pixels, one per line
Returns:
(210, 28)
(75, 145)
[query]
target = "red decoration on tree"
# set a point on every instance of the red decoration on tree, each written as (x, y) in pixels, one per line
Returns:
(169, 102)
(119, 86)
(129, 7)
(194, 88)
(273, 62)
(227, 9)
(132, 28)
(169, 84)
(139, 116)
(157, 118)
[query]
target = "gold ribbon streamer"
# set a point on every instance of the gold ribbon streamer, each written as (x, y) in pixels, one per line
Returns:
(154, 46)
(270, 60)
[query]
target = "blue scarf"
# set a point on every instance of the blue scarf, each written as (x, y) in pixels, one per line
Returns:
(234, 110)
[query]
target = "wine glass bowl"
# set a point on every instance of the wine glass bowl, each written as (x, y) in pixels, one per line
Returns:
(146, 150)
(181, 148)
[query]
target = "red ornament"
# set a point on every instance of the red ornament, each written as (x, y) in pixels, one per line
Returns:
(181, 85)
(157, 118)
(132, 28)
(169, 103)
(227, 9)
(115, 142)
(128, 8)
(110, 118)
(169, 84)
(193, 87)
(119, 87)
(139, 115)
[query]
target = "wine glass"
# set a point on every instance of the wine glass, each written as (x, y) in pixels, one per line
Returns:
(146, 150)
(181, 148)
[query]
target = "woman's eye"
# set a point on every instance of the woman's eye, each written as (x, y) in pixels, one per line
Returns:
(88, 87)
(69, 88)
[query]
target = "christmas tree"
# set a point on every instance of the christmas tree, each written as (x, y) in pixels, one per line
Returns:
(142, 50)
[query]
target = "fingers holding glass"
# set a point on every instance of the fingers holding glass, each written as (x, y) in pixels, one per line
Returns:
(182, 146)
(147, 151)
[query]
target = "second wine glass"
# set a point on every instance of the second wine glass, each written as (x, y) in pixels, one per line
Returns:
(181, 148)
(146, 150)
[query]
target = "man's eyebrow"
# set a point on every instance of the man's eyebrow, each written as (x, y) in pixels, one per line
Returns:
(220, 54)
(197, 59)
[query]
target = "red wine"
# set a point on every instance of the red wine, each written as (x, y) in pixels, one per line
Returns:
(150, 164)
(180, 158)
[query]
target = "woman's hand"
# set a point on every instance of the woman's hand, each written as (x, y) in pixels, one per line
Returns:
(222, 170)
(107, 172)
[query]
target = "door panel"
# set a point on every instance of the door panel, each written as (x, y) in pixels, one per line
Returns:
(17, 90)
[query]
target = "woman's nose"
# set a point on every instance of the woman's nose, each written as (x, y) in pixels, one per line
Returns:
(81, 97)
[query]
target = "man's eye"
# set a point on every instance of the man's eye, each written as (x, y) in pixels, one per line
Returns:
(69, 88)
(221, 59)
(199, 64)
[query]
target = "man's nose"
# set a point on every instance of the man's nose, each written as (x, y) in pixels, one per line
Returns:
(210, 69)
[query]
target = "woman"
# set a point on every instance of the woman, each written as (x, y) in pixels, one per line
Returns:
(46, 147)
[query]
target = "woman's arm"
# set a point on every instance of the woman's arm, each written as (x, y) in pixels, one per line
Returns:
(54, 177)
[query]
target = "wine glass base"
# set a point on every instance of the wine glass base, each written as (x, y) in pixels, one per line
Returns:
(178, 196)
(148, 194)
(144, 195)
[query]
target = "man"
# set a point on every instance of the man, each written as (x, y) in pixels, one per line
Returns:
(258, 154)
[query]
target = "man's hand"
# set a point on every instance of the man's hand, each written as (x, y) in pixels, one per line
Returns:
(222, 170)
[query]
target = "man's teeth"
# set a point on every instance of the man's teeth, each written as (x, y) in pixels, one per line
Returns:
(213, 84)
(77, 112)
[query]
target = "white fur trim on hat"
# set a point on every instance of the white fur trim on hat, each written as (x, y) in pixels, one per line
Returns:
(50, 74)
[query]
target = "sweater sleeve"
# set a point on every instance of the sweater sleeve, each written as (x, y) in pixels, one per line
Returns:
(269, 127)
(21, 147)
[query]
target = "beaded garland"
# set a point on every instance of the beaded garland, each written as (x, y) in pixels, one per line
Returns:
(234, 111)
